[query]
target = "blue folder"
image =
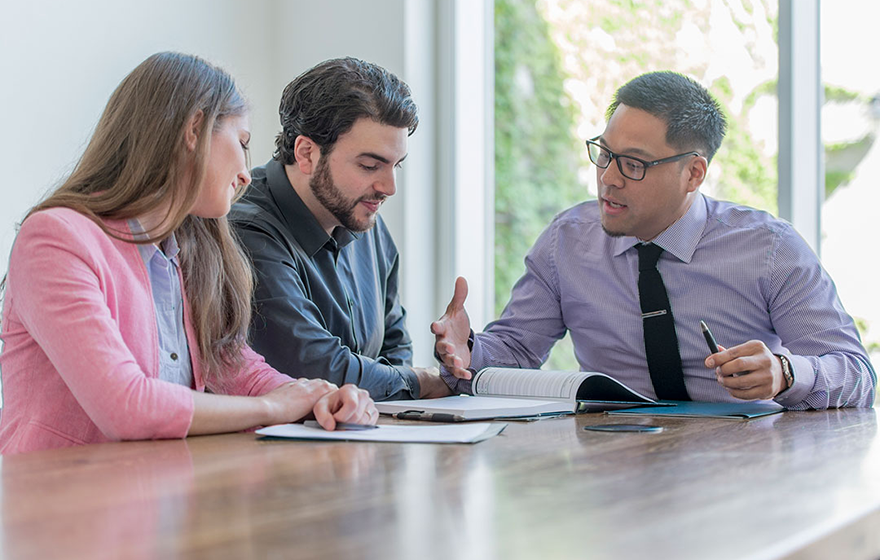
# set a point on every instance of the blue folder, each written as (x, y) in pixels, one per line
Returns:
(740, 411)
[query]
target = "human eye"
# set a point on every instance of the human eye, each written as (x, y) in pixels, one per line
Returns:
(368, 167)
(632, 165)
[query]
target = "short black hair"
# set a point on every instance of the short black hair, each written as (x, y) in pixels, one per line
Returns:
(693, 117)
(325, 101)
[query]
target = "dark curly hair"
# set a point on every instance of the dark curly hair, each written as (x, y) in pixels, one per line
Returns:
(325, 101)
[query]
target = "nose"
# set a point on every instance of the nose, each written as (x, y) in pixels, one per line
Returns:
(611, 175)
(387, 185)
(244, 178)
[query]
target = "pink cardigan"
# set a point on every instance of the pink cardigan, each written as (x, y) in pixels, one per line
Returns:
(80, 361)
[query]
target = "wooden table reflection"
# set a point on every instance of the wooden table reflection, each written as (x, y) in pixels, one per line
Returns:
(791, 485)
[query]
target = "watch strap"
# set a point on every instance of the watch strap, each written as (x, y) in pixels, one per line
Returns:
(787, 370)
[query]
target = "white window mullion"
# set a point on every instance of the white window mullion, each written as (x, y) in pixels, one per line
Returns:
(801, 159)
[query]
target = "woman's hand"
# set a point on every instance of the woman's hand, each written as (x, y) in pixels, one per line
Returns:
(348, 404)
(292, 401)
(330, 404)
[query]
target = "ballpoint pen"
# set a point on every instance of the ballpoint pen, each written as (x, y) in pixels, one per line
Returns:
(710, 340)
(429, 416)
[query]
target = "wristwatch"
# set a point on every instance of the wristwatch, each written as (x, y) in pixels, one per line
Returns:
(787, 371)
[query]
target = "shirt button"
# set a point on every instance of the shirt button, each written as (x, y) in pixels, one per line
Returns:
(174, 356)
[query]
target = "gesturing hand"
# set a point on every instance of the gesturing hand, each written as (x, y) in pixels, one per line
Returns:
(451, 333)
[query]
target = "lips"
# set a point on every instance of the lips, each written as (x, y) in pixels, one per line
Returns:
(609, 207)
(372, 205)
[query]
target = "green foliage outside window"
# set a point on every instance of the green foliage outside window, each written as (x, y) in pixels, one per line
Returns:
(545, 49)
(540, 160)
(536, 152)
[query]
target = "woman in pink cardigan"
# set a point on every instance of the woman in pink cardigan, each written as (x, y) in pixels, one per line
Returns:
(126, 294)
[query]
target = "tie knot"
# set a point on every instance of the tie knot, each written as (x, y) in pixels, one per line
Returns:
(648, 255)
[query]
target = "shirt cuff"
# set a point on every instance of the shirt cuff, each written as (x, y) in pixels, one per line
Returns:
(804, 379)
(411, 387)
(478, 361)
(456, 385)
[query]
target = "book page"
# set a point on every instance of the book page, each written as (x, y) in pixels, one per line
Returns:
(531, 383)
(473, 408)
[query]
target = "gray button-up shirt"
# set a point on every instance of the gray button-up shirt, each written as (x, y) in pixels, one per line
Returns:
(325, 306)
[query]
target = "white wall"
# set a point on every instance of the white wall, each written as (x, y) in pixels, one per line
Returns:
(61, 60)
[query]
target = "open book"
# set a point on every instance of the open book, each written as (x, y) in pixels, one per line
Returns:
(510, 393)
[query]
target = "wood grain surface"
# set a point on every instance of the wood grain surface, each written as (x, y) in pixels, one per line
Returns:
(792, 485)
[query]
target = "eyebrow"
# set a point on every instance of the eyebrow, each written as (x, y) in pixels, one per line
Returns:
(633, 151)
(377, 157)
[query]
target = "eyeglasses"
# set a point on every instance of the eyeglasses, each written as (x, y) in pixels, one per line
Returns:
(629, 166)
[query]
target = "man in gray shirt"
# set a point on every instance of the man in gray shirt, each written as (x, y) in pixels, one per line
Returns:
(326, 301)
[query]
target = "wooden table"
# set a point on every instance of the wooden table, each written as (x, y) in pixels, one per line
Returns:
(798, 484)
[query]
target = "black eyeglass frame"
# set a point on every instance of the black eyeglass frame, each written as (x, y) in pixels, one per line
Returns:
(645, 164)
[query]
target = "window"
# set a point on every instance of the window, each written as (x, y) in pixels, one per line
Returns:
(557, 65)
(850, 124)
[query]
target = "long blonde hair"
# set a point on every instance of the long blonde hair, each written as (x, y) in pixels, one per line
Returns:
(136, 162)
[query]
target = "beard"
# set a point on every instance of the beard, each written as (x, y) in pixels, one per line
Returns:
(332, 198)
(610, 233)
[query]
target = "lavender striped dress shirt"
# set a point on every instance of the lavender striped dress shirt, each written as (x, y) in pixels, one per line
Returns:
(747, 274)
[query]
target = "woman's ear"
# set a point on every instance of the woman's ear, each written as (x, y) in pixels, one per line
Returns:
(193, 129)
(307, 154)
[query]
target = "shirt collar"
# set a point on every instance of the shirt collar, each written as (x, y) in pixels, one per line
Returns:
(681, 238)
(170, 248)
(301, 223)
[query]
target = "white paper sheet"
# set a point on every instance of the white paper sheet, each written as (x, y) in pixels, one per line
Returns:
(445, 433)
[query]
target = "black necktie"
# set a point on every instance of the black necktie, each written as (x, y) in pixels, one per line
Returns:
(661, 343)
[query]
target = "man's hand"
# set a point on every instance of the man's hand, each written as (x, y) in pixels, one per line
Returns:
(431, 385)
(451, 333)
(749, 371)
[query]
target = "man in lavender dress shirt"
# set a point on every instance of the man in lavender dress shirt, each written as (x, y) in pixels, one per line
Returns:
(749, 275)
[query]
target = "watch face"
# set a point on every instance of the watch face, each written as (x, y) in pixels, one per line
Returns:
(786, 370)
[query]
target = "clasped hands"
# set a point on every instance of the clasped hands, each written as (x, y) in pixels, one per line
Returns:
(327, 402)
(748, 371)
